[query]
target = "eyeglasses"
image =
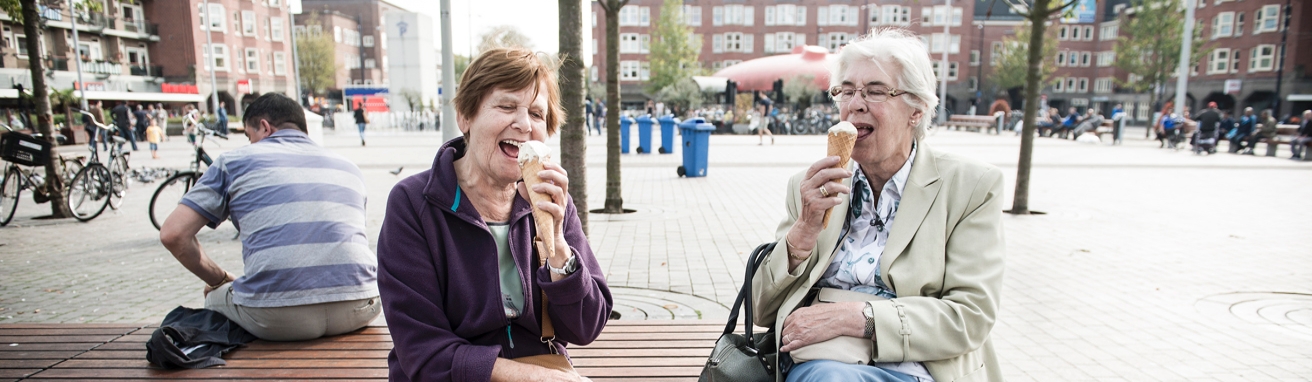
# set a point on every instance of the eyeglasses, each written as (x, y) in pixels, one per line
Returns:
(872, 93)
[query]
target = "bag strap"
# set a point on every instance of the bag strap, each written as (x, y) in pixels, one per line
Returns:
(548, 331)
(744, 298)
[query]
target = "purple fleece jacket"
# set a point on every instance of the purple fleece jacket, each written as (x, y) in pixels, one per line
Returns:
(437, 274)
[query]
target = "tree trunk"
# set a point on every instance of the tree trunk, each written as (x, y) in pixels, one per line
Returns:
(41, 97)
(614, 198)
(573, 141)
(1038, 14)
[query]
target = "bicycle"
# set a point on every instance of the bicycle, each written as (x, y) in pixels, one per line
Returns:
(16, 178)
(171, 191)
(96, 181)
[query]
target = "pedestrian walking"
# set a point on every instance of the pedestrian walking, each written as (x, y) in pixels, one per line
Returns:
(123, 121)
(361, 121)
(222, 127)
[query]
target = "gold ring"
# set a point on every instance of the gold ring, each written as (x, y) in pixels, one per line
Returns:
(823, 192)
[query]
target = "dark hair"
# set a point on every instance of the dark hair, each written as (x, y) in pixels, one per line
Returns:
(276, 108)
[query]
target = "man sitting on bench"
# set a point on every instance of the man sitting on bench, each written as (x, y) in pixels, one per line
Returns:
(1304, 136)
(309, 272)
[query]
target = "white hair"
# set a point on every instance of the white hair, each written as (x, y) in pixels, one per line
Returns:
(902, 47)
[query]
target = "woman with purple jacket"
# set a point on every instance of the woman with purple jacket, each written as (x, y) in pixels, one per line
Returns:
(459, 277)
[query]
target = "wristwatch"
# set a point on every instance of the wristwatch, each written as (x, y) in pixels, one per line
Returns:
(869, 313)
(571, 265)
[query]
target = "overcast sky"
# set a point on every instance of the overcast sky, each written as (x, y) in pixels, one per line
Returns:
(471, 18)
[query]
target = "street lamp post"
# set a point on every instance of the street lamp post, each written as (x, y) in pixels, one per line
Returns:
(1280, 63)
(1186, 48)
(77, 59)
(209, 52)
(947, 42)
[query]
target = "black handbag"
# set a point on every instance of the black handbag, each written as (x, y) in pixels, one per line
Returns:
(739, 358)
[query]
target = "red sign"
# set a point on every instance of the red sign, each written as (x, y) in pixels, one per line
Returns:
(243, 86)
(177, 88)
(93, 86)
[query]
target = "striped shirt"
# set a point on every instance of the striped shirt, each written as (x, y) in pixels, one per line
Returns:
(301, 213)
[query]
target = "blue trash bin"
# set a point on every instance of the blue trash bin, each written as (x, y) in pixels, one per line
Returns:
(667, 134)
(696, 141)
(644, 133)
(625, 123)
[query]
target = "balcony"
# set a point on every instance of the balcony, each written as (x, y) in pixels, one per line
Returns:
(140, 26)
(58, 63)
(102, 67)
(94, 20)
(149, 71)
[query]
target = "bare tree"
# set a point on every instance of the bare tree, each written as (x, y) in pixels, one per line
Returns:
(614, 200)
(573, 141)
(504, 36)
(1038, 13)
(41, 97)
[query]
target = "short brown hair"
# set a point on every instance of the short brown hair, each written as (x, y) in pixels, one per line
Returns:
(509, 69)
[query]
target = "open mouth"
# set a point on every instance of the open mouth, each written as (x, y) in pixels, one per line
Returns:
(510, 148)
(863, 130)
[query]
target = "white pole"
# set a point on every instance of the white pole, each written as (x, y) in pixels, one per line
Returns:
(1186, 47)
(943, 67)
(296, 59)
(449, 130)
(77, 59)
(209, 50)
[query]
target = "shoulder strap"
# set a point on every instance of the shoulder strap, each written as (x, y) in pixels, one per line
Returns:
(548, 331)
(744, 298)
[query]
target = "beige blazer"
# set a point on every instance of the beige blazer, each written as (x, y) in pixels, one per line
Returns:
(944, 259)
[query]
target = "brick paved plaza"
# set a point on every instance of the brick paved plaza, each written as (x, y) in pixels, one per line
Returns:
(1149, 264)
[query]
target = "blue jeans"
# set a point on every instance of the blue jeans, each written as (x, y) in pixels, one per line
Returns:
(596, 123)
(825, 370)
(126, 132)
(361, 126)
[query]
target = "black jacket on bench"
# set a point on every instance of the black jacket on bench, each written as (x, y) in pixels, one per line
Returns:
(194, 339)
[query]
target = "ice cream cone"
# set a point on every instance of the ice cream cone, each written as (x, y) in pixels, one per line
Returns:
(842, 137)
(531, 162)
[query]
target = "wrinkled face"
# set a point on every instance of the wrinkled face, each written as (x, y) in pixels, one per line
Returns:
(505, 119)
(885, 129)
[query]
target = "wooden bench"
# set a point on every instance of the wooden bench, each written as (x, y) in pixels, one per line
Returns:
(981, 123)
(1285, 134)
(662, 351)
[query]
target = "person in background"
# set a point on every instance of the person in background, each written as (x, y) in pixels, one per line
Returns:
(361, 120)
(1265, 129)
(1243, 129)
(1304, 135)
(94, 133)
(162, 117)
(123, 120)
(308, 268)
(142, 118)
(154, 135)
(589, 116)
(222, 127)
(1118, 112)
(1090, 123)
(1068, 123)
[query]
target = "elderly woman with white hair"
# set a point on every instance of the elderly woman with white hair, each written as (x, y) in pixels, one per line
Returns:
(902, 283)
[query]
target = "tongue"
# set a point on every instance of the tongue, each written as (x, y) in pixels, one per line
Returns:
(864, 132)
(510, 150)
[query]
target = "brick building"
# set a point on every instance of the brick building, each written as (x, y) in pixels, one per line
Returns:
(361, 45)
(252, 47)
(347, 39)
(732, 31)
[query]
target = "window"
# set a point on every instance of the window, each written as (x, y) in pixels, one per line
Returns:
(1268, 19)
(1073, 59)
(644, 16)
(1084, 85)
(894, 15)
(1108, 32)
(1141, 112)
(252, 60)
(972, 83)
(1088, 33)
(1223, 25)
(629, 43)
(1058, 86)
(633, 16)
(1061, 58)
(783, 42)
(1107, 58)
(952, 70)
(248, 23)
(785, 14)
(137, 56)
(1262, 59)
(89, 51)
(940, 15)
(644, 71)
(644, 43)
(1070, 84)
(1239, 24)
(1063, 33)
(1220, 62)
(733, 42)
(692, 15)
(275, 28)
(1075, 33)
(592, 74)
(974, 58)
(733, 15)
(838, 15)
(337, 34)
(1085, 58)
(218, 20)
(629, 70)
(280, 63)
(275, 3)
(935, 42)
(717, 43)
(717, 16)
(1103, 85)
(370, 63)
(1081, 102)
(220, 56)
(835, 40)
(368, 41)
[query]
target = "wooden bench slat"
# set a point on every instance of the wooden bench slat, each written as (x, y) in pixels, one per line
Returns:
(143, 338)
(41, 354)
(17, 373)
(358, 363)
(4, 331)
(260, 345)
(56, 339)
(69, 326)
(638, 353)
(79, 346)
(643, 379)
(213, 373)
(606, 336)
(230, 380)
(28, 363)
(703, 344)
(582, 362)
(646, 371)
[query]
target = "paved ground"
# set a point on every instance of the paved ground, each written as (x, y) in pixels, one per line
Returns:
(1150, 264)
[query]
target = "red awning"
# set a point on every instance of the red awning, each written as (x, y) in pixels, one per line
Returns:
(760, 74)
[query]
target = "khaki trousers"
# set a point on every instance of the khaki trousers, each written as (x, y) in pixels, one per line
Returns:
(295, 323)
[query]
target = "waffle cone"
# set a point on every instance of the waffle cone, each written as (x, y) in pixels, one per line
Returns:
(840, 144)
(546, 224)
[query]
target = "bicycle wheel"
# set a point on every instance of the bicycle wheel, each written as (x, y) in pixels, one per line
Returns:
(169, 194)
(71, 168)
(9, 189)
(88, 193)
(118, 170)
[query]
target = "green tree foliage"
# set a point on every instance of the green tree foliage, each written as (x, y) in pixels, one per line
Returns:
(504, 36)
(316, 59)
(1013, 60)
(673, 50)
(801, 89)
(1149, 46)
(682, 95)
(67, 99)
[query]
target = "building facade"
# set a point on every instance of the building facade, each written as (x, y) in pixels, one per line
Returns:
(250, 44)
(1244, 38)
(365, 45)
